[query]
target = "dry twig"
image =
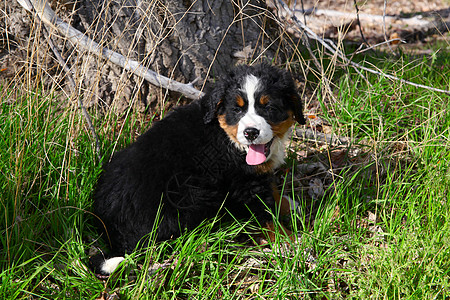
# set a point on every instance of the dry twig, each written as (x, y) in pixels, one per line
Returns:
(384, 26)
(359, 23)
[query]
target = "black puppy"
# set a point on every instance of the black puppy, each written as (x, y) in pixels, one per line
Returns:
(223, 147)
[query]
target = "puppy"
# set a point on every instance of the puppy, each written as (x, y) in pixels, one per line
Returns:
(218, 151)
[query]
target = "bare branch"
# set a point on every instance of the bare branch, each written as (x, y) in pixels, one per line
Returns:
(359, 23)
(331, 139)
(347, 16)
(49, 17)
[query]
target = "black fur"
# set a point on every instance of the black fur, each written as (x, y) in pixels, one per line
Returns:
(186, 166)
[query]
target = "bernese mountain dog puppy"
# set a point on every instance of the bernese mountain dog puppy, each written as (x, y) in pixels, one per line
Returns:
(220, 151)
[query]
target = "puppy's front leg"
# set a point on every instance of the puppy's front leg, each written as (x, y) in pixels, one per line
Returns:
(268, 233)
(261, 197)
(284, 207)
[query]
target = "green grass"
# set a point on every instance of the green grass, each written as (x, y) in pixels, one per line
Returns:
(381, 231)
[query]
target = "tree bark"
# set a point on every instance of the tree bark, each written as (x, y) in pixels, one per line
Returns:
(187, 41)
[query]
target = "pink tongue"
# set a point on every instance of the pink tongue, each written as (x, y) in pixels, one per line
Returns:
(255, 154)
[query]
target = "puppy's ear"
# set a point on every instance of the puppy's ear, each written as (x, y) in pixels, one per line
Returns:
(295, 101)
(212, 101)
(296, 104)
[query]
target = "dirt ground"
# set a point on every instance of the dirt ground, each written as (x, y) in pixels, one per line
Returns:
(375, 7)
(410, 21)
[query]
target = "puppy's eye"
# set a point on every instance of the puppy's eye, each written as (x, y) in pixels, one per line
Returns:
(238, 109)
(273, 108)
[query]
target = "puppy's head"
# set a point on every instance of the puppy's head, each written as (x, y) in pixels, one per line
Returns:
(256, 106)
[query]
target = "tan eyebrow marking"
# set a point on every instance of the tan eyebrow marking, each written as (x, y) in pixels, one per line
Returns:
(240, 101)
(264, 99)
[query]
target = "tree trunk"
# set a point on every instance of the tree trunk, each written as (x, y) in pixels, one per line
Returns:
(187, 41)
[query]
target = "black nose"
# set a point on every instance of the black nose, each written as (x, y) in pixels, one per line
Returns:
(251, 133)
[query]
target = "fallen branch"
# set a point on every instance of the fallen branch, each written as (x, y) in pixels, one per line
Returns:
(330, 139)
(78, 38)
(348, 16)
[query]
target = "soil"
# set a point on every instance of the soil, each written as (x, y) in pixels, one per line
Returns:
(411, 21)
